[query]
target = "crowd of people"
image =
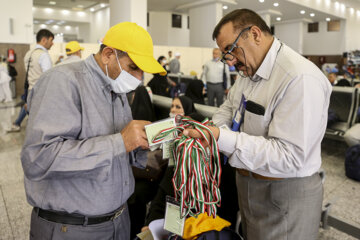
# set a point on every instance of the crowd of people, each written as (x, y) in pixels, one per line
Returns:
(85, 140)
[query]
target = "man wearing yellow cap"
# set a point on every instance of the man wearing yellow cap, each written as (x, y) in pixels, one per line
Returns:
(73, 52)
(81, 140)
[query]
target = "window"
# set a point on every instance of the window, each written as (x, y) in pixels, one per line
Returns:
(333, 26)
(147, 19)
(313, 27)
(176, 21)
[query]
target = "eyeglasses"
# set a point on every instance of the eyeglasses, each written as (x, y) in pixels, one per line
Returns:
(228, 56)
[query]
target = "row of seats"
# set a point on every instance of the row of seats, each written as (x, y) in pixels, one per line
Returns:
(344, 101)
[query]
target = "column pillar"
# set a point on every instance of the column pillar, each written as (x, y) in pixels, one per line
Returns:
(203, 20)
(128, 11)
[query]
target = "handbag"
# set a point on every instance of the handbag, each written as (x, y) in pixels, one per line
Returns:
(155, 167)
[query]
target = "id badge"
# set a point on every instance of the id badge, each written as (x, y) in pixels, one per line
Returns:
(173, 222)
(236, 121)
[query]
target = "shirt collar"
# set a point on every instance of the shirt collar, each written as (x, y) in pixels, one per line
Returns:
(41, 46)
(97, 72)
(267, 65)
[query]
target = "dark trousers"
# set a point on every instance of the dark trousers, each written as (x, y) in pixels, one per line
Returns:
(215, 91)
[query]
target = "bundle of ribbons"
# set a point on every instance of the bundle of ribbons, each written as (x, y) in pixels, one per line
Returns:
(197, 171)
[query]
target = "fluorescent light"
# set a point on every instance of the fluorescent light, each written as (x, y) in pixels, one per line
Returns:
(48, 10)
(225, 7)
(92, 9)
(80, 14)
(102, 5)
(52, 3)
(312, 14)
(65, 12)
(276, 4)
(302, 12)
(328, 19)
(278, 19)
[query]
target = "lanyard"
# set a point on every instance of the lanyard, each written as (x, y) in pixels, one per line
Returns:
(197, 172)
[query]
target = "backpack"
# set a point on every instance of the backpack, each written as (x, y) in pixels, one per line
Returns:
(352, 162)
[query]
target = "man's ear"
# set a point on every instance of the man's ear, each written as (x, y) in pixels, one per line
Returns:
(256, 34)
(106, 55)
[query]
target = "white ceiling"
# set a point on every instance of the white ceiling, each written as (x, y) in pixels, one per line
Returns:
(288, 10)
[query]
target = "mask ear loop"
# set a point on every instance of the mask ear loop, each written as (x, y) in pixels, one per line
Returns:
(117, 59)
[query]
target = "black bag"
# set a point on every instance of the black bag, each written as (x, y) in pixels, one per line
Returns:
(352, 162)
(224, 78)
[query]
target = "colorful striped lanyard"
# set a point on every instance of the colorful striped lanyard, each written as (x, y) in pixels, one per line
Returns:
(197, 172)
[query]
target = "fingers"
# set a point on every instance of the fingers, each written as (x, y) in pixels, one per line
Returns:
(192, 133)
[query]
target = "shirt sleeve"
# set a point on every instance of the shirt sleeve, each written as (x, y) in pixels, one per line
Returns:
(52, 147)
(45, 62)
(297, 123)
(227, 72)
(205, 70)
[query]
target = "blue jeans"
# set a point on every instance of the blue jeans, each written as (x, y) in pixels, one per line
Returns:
(22, 115)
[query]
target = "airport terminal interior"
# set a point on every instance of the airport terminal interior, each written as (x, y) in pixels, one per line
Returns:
(325, 32)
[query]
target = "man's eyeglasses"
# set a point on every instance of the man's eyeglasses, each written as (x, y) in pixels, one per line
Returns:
(228, 55)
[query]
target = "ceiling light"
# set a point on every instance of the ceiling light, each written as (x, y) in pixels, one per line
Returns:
(358, 13)
(52, 3)
(102, 5)
(48, 10)
(80, 14)
(328, 19)
(43, 25)
(80, 6)
(312, 14)
(225, 7)
(67, 27)
(276, 4)
(278, 19)
(302, 12)
(65, 12)
(342, 7)
(92, 9)
(55, 27)
(33, 8)
(352, 10)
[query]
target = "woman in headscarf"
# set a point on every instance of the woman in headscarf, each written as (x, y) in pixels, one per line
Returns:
(195, 91)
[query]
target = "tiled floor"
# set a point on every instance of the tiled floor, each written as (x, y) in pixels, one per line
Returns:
(343, 193)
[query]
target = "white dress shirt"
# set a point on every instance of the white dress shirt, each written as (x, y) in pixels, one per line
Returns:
(285, 142)
(213, 73)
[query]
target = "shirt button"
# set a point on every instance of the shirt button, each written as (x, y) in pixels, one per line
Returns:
(126, 183)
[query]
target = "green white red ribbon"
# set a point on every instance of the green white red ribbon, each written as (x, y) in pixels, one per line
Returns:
(197, 171)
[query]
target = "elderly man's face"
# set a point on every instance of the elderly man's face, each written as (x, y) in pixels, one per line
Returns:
(216, 53)
(225, 40)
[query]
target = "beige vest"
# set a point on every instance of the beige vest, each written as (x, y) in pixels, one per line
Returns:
(34, 69)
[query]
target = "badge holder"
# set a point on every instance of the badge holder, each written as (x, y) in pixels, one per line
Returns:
(173, 221)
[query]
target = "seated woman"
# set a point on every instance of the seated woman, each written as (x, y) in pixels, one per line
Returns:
(161, 85)
(195, 91)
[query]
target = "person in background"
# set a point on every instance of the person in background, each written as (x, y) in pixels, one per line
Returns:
(81, 140)
(332, 78)
(73, 52)
(174, 65)
(161, 85)
(36, 62)
(216, 76)
(5, 91)
(195, 91)
(277, 113)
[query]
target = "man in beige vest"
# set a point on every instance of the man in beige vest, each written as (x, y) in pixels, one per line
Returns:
(73, 52)
(36, 62)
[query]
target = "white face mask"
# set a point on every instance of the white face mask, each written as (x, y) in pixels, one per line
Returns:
(125, 82)
(164, 61)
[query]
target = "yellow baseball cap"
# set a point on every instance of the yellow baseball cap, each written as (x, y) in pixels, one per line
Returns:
(137, 43)
(73, 47)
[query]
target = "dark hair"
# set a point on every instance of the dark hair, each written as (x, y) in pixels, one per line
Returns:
(44, 33)
(242, 18)
(160, 59)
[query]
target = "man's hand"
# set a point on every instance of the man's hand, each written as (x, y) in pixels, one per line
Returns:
(134, 135)
(195, 134)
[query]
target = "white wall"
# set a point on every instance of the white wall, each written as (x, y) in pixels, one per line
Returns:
(352, 32)
(100, 23)
(291, 34)
(20, 11)
(324, 42)
(163, 33)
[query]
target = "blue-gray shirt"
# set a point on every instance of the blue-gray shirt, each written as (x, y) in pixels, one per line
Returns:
(74, 158)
